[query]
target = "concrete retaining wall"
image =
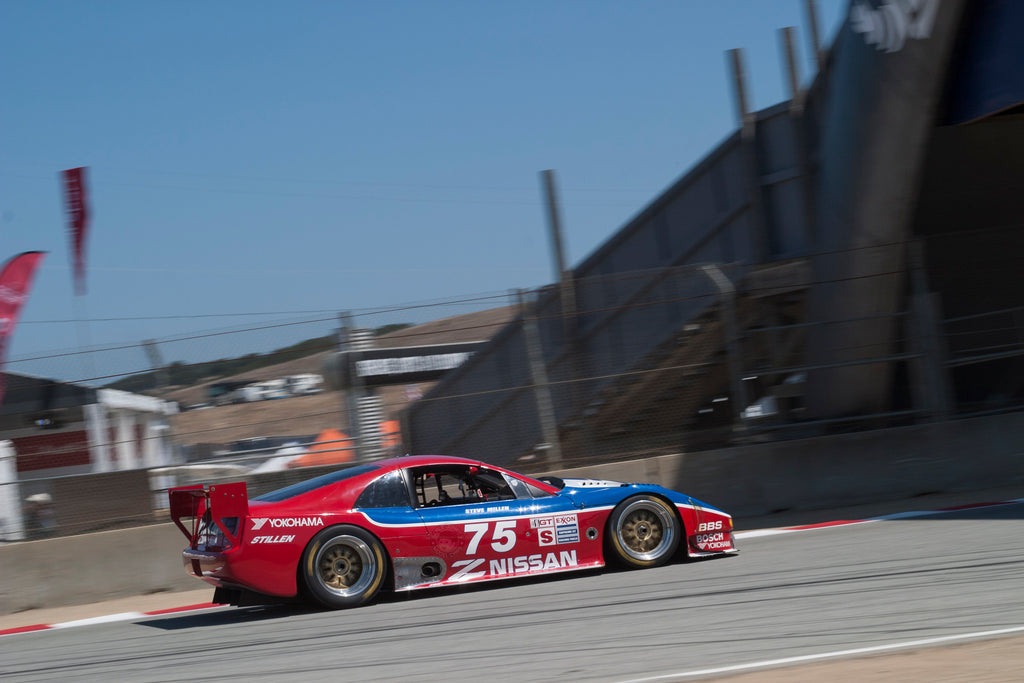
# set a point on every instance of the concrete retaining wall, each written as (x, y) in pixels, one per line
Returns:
(76, 570)
(807, 474)
(839, 470)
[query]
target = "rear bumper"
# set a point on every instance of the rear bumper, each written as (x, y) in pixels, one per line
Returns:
(236, 568)
(207, 565)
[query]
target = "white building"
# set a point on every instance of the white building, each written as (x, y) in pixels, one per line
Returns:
(54, 429)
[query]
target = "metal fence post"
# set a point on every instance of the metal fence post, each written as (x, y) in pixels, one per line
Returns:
(541, 390)
(932, 389)
(728, 293)
(350, 396)
(12, 525)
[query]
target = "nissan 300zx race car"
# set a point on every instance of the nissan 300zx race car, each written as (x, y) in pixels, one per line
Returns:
(425, 521)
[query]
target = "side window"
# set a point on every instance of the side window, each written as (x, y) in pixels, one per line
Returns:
(538, 492)
(459, 485)
(525, 491)
(388, 491)
(491, 485)
(435, 488)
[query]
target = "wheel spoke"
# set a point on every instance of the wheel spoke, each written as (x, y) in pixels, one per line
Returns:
(340, 567)
(642, 531)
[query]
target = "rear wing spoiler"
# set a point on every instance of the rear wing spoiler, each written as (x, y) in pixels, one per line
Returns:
(222, 501)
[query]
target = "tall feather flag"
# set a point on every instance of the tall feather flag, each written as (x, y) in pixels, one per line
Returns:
(77, 202)
(15, 282)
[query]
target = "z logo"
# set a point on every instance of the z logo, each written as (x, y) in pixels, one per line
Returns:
(467, 572)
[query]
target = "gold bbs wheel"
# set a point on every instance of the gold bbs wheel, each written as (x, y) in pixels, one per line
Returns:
(344, 566)
(342, 563)
(644, 532)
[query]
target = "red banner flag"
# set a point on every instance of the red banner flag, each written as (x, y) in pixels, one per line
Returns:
(15, 282)
(78, 221)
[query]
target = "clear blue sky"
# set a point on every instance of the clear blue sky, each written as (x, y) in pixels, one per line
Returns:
(283, 157)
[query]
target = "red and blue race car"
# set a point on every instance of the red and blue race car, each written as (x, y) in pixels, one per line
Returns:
(425, 521)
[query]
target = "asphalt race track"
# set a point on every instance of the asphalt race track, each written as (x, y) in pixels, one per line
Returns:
(788, 595)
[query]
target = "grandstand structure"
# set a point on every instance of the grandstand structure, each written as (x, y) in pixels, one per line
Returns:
(848, 258)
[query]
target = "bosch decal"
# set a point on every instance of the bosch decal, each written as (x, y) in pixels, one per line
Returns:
(715, 541)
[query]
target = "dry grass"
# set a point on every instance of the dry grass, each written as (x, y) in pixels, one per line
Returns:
(307, 415)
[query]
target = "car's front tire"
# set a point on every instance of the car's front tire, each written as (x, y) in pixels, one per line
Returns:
(643, 531)
(344, 566)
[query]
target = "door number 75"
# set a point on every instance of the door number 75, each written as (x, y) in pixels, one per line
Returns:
(503, 538)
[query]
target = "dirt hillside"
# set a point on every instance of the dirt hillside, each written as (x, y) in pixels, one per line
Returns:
(306, 415)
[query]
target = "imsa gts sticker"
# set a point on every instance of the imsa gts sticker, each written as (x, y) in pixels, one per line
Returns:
(557, 529)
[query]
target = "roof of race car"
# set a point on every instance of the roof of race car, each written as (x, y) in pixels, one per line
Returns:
(419, 460)
(380, 467)
(425, 460)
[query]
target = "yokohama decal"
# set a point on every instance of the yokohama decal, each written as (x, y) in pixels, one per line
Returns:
(285, 522)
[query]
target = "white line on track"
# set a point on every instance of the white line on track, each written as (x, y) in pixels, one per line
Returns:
(775, 532)
(123, 616)
(770, 663)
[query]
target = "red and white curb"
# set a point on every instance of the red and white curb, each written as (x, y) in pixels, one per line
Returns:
(120, 616)
(882, 518)
(129, 616)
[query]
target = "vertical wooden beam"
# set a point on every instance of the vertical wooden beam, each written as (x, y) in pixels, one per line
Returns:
(748, 134)
(792, 71)
(813, 32)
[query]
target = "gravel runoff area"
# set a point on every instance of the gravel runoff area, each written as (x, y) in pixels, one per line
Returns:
(987, 661)
(990, 660)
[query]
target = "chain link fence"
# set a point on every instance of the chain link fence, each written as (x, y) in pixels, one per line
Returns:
(250, 403)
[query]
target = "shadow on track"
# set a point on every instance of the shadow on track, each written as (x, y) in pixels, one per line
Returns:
(258, 613)
(251, 614)
(236, 615)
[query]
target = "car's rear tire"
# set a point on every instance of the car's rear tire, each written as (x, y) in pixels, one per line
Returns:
(643, 531)
(344, 566)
